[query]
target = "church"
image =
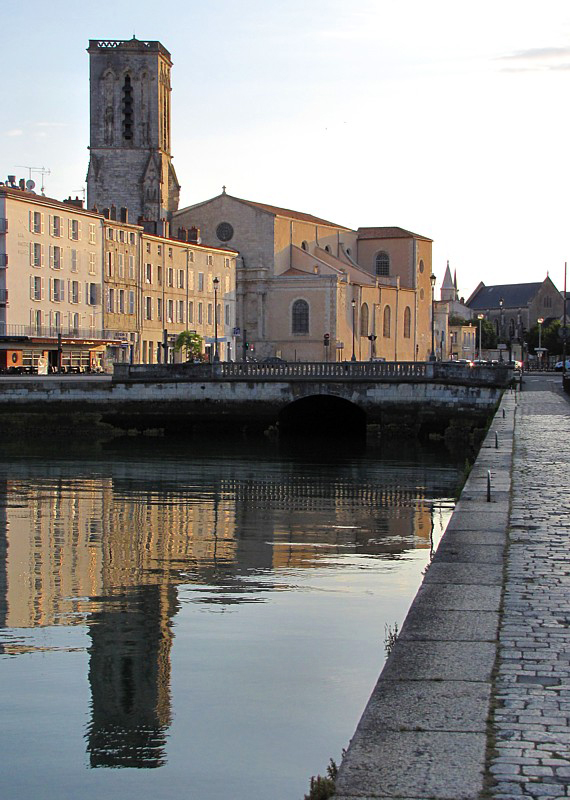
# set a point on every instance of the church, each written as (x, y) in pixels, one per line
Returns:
(306, 288)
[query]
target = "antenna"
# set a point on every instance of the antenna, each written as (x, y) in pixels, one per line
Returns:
(42, 170)
(82, 192)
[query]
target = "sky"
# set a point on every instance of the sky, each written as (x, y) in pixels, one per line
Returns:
(448, 118)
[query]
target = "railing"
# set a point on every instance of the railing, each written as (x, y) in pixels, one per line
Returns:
(352, 371)
(51, 332)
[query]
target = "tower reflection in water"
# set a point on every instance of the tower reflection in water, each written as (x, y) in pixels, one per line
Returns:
(107, 545)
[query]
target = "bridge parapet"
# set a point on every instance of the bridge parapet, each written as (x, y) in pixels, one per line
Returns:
(349, 371)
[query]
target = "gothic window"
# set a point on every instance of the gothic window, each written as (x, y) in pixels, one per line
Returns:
(407, 322)
(300, 316)
(382, 264)
(364, 320)
(127, 108)
(512, 329)
(386, 326)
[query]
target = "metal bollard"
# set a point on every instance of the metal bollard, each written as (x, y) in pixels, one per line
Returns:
(488, 485)
(496, 440)
(504, 413)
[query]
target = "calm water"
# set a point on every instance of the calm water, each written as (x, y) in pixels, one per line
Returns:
(205, 621)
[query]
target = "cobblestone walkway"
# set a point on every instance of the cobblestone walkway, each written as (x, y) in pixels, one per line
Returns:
(532, 690)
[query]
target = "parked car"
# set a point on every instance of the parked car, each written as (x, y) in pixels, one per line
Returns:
(465, 362)
(559, 366)
(273, 360)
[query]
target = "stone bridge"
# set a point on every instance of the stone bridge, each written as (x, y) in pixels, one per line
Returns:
(335, 398)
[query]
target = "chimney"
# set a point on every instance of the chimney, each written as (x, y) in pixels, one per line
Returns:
(114, 212)
(124, 214)
(106, 213)
(77, 202)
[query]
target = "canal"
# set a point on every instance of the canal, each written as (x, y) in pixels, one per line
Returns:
(203, 619)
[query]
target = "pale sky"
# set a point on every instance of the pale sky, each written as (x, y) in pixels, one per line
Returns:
(448, 118)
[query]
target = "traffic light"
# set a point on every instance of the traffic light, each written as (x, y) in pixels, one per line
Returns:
(372, 337)
(327, 339)
(246, 345)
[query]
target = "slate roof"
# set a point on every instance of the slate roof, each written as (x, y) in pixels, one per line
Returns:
(515, 295)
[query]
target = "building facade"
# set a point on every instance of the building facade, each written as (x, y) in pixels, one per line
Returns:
(309, 289)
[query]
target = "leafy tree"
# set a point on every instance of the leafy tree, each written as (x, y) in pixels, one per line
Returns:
(488, 335)
(455, 319)
(549, 338)
(191, 342)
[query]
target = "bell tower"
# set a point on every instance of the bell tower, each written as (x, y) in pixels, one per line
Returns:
(130, 161)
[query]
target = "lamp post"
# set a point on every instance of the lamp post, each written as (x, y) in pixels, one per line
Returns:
(432, 280)
(540, 320)
(480, 317)
(216, 285)
(353, 304)
(501, 319)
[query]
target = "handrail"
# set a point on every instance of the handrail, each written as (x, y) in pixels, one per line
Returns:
(374, 371)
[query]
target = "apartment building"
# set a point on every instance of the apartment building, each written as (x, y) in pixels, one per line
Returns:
(50, 283)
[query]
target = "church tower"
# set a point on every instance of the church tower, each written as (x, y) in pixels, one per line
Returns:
(130, 161)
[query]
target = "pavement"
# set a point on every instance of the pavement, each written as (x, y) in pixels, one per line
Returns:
(474, 700)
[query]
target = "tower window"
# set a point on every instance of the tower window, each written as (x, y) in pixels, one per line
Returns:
(127, 108)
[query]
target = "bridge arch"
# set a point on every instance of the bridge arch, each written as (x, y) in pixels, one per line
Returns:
(323, 415)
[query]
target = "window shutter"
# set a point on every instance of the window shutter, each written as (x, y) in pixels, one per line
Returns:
(51, 255)
(32, 283)
(78, 230)
(70, 228)
(51, 224)
(78, 291)
(61, 258)
(31, 252)
(42, 255)
(69, 294)
(43, 288)
(50, 289)
(41, 223)
(31, 220)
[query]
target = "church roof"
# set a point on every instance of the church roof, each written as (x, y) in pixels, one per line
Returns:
(447, 282)
(275, 210)
(290, 214)
(514, 295)
(389, 233)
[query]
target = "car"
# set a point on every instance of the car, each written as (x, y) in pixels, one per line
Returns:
(479, 362)
(273, 360)
(559, 366)
(464, 362)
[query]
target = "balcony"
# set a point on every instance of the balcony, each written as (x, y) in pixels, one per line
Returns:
(50, 331)
(3, 296)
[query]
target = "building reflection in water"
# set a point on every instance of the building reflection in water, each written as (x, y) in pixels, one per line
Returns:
(107, 545)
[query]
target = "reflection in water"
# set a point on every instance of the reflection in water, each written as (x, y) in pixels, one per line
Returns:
(105, 542)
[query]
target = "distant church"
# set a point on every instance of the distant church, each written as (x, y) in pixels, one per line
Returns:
(307, 288)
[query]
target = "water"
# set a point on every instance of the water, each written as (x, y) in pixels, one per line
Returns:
(202, 620)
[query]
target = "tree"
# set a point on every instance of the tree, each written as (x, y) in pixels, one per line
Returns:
(191, 342)
(549, 338)
(488, 335)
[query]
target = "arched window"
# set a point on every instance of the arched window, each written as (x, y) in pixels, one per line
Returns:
(305, 246)
(512, 329)
(382, 264)
(300, 317)
(407, 322)
(422, 265)
(364, 320)
(386, 326)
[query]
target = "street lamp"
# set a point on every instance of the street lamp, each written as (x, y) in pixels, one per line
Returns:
(540, 320)
(353, 304)
(216, 285)
(480, 317)
(432, 280)
(501, 322)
